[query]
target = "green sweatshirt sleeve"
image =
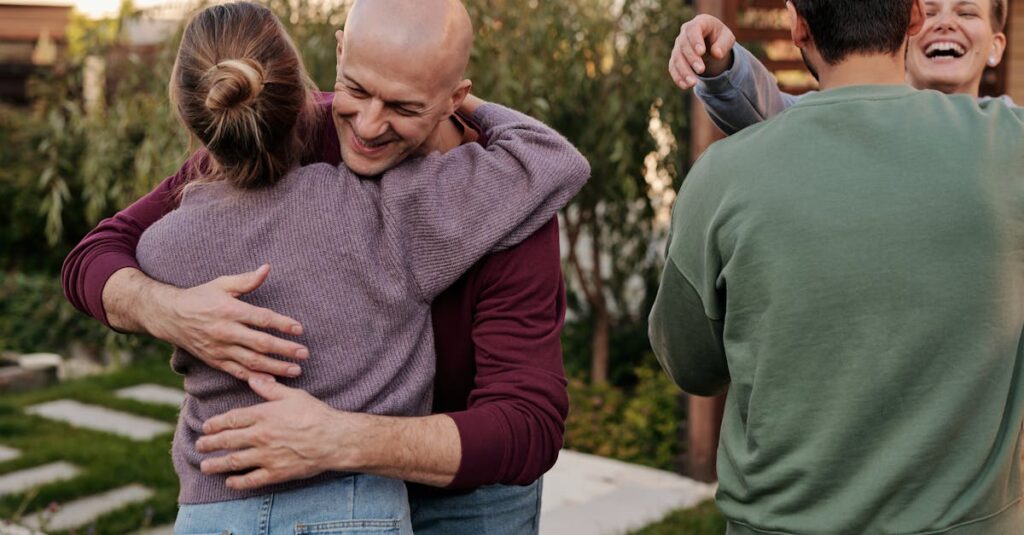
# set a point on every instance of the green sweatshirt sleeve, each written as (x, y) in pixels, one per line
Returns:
(687, 320)
(687, 343)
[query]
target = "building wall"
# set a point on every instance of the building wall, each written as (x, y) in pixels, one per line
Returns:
(22, 23)
(23, 49)
(1015, 56)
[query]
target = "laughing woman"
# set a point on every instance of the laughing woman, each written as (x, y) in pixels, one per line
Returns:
(960, 38)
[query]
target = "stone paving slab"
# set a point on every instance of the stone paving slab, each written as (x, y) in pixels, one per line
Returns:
(40, 361)
(101, 419)
(159, 530)
(23, 480)
(8, 454)
(78, 513)
(597, 496)
(15, 529)
(147, 393)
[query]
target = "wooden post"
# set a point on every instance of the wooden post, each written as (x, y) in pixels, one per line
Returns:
(704, 415)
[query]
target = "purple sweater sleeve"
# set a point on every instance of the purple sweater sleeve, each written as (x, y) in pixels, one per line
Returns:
(513, 428)
(111, 245)
(446, 211)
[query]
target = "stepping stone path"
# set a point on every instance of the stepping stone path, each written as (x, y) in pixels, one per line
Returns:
(597, 496)
(14, 529)
(160, 395)
(81, 512)
(101, 419)
(8, 454)
(30, 478)
(582, 493)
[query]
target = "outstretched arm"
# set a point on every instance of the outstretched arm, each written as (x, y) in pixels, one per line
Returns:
(737, 90)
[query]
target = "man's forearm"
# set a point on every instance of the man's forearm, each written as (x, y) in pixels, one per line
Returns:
(743, 95)
(125, 297)
(425, 449)
(209, 321)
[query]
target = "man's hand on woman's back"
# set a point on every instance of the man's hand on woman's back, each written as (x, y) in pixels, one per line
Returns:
(208, 321)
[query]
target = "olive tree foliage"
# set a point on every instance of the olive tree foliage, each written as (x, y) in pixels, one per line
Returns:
(595, 70)
(84, 161)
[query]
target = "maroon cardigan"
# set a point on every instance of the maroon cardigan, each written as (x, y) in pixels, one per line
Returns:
(497, 330)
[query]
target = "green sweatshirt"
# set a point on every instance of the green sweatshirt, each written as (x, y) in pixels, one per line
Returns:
(853, 271)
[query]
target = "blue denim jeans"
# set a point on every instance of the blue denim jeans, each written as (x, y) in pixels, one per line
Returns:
(354, 505)
(493, 510)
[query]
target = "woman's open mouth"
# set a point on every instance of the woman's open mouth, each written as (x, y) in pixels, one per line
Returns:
(945, 50)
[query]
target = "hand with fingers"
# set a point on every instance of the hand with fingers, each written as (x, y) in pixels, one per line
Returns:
(211, 323)
(288, 437)
(703, 48)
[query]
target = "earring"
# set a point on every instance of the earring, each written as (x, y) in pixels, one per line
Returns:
(992, 61)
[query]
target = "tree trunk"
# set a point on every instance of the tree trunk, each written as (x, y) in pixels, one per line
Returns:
(592, 284)
(599, 344)
(601, 320)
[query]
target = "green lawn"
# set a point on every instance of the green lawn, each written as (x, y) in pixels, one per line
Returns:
(106, 461)
(704, 519)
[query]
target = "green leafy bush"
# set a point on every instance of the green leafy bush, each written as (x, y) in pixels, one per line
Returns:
(639, 425)
(35, 317)
(705, 519)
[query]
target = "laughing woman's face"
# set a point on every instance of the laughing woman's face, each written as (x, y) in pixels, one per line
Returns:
(955, 45)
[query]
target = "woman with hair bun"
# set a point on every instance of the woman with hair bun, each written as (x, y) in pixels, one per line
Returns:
(357, 261)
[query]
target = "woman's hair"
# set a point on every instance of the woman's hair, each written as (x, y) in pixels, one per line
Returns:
(240, 87)
(998, 15)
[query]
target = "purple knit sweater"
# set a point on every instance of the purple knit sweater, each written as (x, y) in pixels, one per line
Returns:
(357, 262)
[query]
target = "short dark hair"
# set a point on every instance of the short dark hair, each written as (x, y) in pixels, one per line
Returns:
(998, 15)
(844, 27)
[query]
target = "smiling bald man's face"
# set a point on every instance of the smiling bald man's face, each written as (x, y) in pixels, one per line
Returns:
(400, 68)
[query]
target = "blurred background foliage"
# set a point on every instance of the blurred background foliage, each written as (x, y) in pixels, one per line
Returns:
(592, 69)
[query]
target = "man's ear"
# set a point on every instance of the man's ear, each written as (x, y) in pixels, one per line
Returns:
(916, 18)
(340, 36)
(459, 95)
(798, 28)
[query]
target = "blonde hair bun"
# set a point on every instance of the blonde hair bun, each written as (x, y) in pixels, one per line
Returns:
(232, 83)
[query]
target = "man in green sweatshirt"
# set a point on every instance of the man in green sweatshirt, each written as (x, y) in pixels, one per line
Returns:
(852, 271)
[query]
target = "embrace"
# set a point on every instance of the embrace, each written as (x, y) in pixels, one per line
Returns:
(365, 295)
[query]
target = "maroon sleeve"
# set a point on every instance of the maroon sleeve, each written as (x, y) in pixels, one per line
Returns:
(512, 431)
(111, 245)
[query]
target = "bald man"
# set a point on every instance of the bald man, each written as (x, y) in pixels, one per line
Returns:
(499, 397)
(396, 89)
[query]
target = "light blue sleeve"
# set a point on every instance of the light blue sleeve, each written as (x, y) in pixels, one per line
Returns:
(1009, 101)
(745, 94)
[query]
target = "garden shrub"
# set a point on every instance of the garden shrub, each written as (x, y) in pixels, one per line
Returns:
(35, 317)
(638, 425)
